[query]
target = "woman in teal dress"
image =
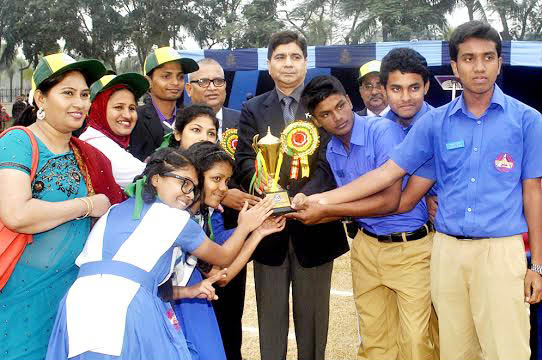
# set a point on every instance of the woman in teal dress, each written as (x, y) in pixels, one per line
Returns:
(72, 184)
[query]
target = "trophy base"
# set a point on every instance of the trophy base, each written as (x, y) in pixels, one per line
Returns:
(281, 202)
(282, 211)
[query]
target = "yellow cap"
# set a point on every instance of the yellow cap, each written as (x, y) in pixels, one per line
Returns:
(370, 67)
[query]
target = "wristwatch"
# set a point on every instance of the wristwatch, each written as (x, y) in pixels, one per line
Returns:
(536, 268)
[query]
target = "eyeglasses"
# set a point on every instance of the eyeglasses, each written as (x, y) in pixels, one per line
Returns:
(187, 185)
(204, 83)
(370, 87)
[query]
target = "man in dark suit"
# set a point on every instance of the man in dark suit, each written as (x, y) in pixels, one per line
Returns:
(208, 86)
(371, 90)
(165, 70)
(300, 255)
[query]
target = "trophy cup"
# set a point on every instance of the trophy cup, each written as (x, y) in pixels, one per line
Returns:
(268, 164)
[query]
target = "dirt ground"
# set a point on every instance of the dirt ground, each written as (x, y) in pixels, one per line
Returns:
(343, 326)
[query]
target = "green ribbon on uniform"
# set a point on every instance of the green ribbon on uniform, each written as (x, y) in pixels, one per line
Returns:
(166, 140)
(135, 190)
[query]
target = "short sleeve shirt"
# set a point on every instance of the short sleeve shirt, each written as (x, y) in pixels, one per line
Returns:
(479, 163)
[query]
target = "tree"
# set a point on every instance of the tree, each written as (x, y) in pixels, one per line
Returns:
(34, 25)
(474, 7)
(99, 29)
(258, 21)
(315, 19)
(152, 22)
(214, 22)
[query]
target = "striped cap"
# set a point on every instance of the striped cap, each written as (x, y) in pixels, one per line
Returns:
(370, 67)
(60, 63)
(137, 83)
(163, 55)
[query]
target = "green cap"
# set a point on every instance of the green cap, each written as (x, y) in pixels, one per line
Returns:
(136, 82)
(60, 63)
(163, 55)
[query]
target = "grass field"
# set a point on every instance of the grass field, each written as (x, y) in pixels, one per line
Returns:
(343, 329)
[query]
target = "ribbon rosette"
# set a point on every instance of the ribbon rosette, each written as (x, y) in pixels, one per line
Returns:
(299, 140)
(229, 141)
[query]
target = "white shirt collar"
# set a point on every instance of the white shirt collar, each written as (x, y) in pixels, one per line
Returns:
(219, 117)
(383, 113)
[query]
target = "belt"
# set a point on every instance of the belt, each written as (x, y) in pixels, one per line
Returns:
(461, 237)
(401, 236)
(118, 268)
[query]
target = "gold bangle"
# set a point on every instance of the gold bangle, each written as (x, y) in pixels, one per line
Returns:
(88, 209)
(91, 205)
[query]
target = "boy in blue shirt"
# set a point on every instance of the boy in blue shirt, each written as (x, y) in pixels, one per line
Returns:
(390, 254)
(486, 148)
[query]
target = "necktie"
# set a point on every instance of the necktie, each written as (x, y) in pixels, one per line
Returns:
(287, 112)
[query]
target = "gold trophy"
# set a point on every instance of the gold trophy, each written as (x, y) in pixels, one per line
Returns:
(269, 161)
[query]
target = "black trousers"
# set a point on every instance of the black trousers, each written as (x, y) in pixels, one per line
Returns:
(229, 313)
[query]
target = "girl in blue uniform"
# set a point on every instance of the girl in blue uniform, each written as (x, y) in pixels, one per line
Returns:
(112, 311)
(197, 316)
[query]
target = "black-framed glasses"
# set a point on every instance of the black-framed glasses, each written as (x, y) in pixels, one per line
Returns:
(187, 185)
(204, 83)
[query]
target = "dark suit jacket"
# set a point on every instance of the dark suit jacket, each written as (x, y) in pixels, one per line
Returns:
(230, 118)
(362, 112)
(148, 133)
(316, 244)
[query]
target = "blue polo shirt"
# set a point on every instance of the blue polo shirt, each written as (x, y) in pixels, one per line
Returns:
(370, 144)
(427, 170)
(393, 116)
(479, 163)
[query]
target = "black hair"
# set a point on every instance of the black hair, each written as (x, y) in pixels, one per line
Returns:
(473, 29)
(205, 155)
(286, 37)
(187, 115)
(320, 88)
(406, 60)
(29, 115)
(162, 161)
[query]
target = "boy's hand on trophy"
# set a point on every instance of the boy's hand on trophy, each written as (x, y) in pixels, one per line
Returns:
(300, 201)
(312, 213)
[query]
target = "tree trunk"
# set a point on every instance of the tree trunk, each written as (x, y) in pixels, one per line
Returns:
(505, 30)
(471, 11)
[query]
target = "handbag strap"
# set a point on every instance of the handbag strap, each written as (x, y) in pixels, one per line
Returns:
(35, 151)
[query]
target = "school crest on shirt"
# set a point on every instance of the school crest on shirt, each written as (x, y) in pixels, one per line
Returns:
(504, 163)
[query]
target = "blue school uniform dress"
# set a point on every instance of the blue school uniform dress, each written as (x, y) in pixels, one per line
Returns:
(112, 311)
(197, 316)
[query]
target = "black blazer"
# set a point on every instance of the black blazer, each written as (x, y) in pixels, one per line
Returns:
(148, 133)
(315, 244)
(230, 118)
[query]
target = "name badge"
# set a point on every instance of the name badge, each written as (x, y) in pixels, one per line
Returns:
(455, 145)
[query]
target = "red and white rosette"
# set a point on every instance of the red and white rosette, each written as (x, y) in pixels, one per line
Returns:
(229, 141)
(299, 140)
